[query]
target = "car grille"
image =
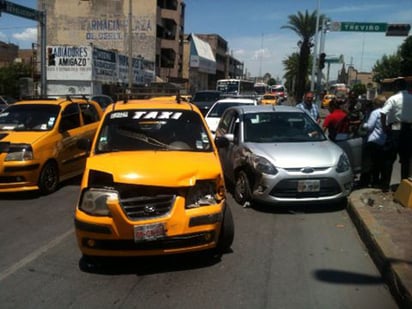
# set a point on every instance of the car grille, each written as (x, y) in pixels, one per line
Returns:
(144, 202)
(288, 189)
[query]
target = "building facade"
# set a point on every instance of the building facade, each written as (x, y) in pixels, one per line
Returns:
(156, 29)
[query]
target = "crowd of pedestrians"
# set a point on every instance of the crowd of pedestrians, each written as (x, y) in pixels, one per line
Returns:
(385, 125)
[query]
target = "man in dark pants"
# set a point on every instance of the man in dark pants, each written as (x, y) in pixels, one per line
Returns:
(396, 117)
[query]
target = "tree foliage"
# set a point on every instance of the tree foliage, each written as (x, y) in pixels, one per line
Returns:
(10, 75)
(304, 25)
(387, 66)
(397, 64)
(405, 52)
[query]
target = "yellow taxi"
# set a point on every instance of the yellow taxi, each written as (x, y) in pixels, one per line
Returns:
(38, 142)
(153, 184)
(326, 100)
(269, 99)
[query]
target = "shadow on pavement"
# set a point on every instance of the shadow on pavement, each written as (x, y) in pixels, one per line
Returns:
(148, 265)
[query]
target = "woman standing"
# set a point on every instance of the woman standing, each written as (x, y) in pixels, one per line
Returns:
(375, 153)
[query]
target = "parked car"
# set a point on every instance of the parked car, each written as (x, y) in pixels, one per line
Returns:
(38, 142)
(215, 112)
(280, 155)
(103, 100)
(5, 101)
(269, 98)
(204, 99)
(326, 100)
(153, 184)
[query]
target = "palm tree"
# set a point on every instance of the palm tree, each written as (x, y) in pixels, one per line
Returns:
(304, 25)
(291, 65)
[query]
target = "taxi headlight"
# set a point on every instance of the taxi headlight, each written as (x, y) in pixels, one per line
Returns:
(19, 153)
(204, 193)
(343, 164)
(94, 201)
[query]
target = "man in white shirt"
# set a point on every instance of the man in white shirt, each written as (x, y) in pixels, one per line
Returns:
(396, 117)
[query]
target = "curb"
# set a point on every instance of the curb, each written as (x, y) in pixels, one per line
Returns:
(382, 250)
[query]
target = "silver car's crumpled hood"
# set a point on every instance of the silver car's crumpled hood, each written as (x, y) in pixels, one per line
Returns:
(298, 155)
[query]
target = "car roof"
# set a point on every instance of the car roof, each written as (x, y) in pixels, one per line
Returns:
(52, 101)
(240, 100)
(251, 109)
(153, 103)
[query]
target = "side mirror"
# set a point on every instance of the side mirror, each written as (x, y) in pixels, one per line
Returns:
(221, 142)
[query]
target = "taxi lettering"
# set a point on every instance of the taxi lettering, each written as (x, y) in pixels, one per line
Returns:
(157, 115)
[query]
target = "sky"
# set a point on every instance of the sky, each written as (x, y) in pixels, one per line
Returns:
(253, 29)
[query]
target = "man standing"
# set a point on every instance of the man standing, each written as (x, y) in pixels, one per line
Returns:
(308, 106)
(397, 120)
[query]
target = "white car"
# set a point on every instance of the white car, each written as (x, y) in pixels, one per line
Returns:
(215, 112)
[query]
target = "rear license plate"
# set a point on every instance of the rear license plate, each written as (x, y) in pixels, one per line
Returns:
(308, 186)
(149, 232)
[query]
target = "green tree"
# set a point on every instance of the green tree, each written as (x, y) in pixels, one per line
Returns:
(405, 52)
(10, 75)
(387, 67)
(304, 25)
(359, 89)
(291, 65)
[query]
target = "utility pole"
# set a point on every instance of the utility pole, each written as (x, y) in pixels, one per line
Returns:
(315, 50)
(130, 52)
(321, 50)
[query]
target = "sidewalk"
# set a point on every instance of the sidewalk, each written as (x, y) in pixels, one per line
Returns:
(386, 229)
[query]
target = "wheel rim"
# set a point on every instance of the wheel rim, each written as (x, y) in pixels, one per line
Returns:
(241, 187)
(49, 177)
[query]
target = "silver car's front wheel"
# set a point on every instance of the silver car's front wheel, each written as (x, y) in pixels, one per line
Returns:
(242, 192)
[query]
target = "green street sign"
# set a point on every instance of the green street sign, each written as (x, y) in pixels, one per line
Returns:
(19, 10)
(357, 27)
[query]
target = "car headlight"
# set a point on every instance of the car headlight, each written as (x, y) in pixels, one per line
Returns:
(94, 201)
(343, 164)
(20, 152)
(205, 193)
(263, 165)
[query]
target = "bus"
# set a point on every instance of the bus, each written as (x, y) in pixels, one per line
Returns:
(279, 91)
(261, 88)
(388, 86)
(235, 86)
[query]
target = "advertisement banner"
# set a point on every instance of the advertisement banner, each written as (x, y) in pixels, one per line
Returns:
(69, 62)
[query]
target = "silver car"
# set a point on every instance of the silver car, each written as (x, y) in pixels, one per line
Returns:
(278, 154)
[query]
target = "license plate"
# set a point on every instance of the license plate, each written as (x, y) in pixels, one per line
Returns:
(308, 186)
(149, 232)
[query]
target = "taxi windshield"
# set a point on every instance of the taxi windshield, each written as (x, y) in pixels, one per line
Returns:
(132, 130)
(29, 117)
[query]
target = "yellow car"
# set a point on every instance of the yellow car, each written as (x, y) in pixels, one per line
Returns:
(326, 100)
(153, 184)
(38, 142)
(269, 99)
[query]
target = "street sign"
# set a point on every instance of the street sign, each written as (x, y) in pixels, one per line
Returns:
(19, 10)
(357, 27)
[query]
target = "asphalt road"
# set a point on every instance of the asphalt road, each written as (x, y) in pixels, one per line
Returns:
(294, 257)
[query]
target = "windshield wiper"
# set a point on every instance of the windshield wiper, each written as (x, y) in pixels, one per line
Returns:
(143, 138)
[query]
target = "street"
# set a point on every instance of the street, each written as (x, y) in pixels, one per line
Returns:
(294, 257)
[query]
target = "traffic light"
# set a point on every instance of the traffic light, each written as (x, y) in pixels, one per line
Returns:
(322, 59)
(51, 57)
(398, 29)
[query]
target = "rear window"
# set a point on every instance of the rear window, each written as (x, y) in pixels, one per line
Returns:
(206, 96)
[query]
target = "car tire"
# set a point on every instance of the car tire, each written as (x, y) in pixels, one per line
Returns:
(242, 192)
(49, 178)
(227, 232)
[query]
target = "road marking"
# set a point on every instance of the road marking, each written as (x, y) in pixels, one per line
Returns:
(34, 255)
